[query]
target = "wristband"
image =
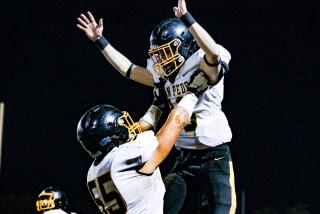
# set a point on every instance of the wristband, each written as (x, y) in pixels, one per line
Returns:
(129, 71)
(187, 19)
(101, 43)
(152, 116)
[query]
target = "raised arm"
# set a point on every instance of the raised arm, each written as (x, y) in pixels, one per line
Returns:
(178, 118)
(210, 64)
(94, 30)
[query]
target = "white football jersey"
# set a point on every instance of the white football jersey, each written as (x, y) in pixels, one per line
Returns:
(212, 126)
(115, 184)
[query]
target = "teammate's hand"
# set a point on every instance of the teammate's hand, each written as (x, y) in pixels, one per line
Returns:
(160, 96)
(88, 25)
(181, 9)
(198, 83)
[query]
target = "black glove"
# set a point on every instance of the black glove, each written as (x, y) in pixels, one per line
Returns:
(198, 83)
(160, 96)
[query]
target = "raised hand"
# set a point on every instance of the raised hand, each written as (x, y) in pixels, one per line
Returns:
(89, 25)
(181, 9)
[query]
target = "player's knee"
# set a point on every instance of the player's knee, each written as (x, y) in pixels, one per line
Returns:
(224, 208)
(174, 179)
(225, 199)
(175, 186)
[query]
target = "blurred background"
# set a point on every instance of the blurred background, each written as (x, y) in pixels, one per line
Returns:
(50, 74)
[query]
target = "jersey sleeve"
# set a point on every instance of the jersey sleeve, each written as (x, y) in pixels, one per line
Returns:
(225, 55)
(148, 143)
(224, 60)
(133, 154)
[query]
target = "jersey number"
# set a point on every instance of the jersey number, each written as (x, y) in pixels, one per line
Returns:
(105, 195)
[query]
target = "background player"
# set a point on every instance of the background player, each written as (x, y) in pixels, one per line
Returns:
(124, 177)
(53, 200)
(174, 57)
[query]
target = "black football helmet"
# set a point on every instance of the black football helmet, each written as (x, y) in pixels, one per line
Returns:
(171, 44)
(103, 127)
(52, 197)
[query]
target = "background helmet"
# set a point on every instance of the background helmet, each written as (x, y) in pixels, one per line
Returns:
(52, 197)
(103, 127)
(171, 44)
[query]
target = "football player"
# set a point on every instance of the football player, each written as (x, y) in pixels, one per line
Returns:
(178, 48)
(53, 200)
(124, 177)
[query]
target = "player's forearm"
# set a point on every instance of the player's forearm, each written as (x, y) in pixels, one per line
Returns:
(151, 118)
(205, 42)
(141, 75)
(126, 68)
(178, 118)
(210, 62)
(167, 137)
(116, 59)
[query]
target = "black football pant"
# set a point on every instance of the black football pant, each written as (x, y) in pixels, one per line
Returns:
(201, 181)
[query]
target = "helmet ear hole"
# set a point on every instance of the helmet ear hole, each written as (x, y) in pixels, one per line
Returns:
(105, 141)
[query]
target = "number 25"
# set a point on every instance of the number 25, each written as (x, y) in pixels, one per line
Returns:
(105, 195)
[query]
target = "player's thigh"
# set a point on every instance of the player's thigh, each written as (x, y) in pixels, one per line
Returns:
(175, 185)
(193, 200)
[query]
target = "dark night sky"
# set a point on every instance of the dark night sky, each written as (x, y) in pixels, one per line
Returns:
(51, 74)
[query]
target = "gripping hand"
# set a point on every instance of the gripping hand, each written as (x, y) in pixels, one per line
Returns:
(198, 83)
(160, 95)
